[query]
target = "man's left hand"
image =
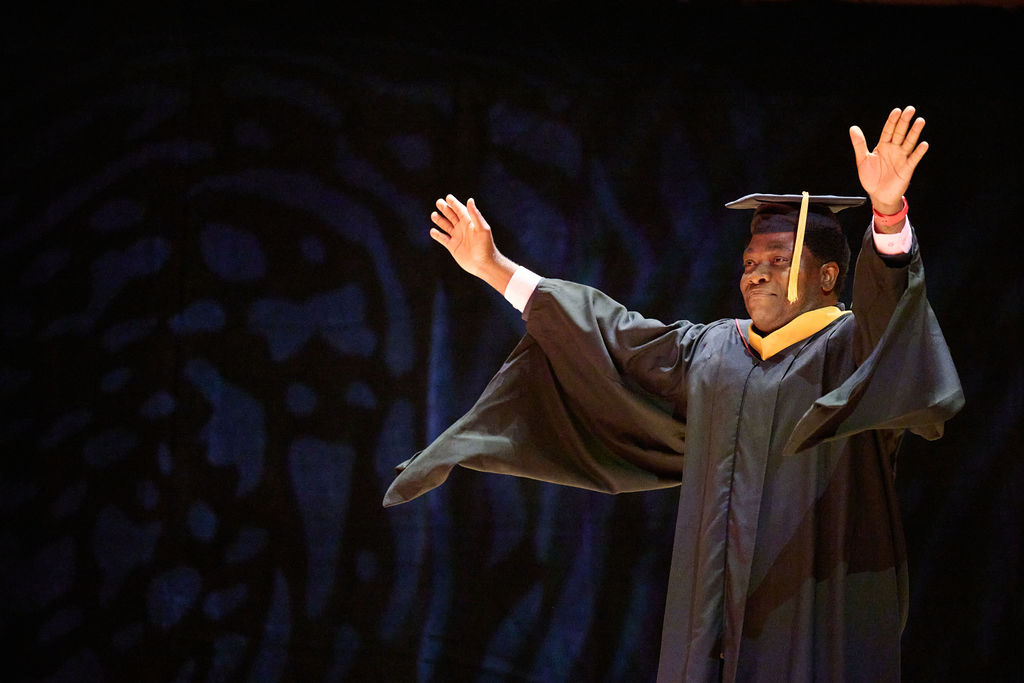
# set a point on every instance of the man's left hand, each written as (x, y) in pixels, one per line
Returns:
(886, 170)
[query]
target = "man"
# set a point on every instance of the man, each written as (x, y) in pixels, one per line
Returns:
(789, 561)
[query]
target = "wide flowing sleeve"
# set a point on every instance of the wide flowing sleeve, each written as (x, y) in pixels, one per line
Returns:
(907, 379)
(586, 399)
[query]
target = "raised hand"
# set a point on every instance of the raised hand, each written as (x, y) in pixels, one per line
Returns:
(463, 231)
(886, 170)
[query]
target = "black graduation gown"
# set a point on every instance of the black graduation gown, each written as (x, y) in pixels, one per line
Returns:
(789, 560)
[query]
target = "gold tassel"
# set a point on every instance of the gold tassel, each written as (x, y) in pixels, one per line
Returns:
(798, 248)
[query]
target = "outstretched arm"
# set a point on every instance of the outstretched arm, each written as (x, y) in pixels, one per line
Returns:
(886, 170)
(462, 230)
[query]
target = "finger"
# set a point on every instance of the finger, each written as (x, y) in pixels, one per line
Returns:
(902, 125)
(440, 237)
(453, 202)
(917, 155)
(913, 135)
(860, 145)
(447, 211)
(890, 126)
(441, 222)
(461, 213)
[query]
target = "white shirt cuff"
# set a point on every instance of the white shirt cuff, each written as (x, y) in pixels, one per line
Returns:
(521, 287)
(894, 245)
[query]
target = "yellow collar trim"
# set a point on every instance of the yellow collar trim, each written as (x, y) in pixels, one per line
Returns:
(797, 329)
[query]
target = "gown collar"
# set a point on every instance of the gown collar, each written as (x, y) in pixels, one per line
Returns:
(797, 329)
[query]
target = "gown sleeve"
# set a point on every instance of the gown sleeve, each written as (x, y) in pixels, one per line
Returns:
(905, 379)
(590, 397)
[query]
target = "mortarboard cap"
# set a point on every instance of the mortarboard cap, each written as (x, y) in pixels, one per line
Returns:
(795, 213)
(834, 203)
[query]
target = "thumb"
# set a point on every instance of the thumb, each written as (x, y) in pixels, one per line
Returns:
(860, 146)
(474, 213)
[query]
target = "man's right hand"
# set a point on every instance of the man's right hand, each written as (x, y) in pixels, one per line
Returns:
(462, 230)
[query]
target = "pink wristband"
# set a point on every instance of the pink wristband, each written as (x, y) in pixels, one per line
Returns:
(893, 218)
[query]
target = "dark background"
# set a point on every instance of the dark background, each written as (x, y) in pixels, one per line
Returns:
(223, 322)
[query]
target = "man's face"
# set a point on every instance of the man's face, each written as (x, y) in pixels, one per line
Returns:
(766, 262)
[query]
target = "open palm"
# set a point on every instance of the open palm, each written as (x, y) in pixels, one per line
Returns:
(886, 170)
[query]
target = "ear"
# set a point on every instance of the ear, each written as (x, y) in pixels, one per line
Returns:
(829, 274)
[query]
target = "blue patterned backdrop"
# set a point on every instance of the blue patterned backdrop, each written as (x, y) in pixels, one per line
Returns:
(224, 323)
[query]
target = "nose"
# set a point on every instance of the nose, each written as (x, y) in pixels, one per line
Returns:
(758, 274)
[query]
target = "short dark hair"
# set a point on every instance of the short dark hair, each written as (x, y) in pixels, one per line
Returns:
(830, 245)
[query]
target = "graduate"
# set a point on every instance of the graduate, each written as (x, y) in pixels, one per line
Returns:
(781, 430)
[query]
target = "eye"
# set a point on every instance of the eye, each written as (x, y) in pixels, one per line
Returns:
(779, 260)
